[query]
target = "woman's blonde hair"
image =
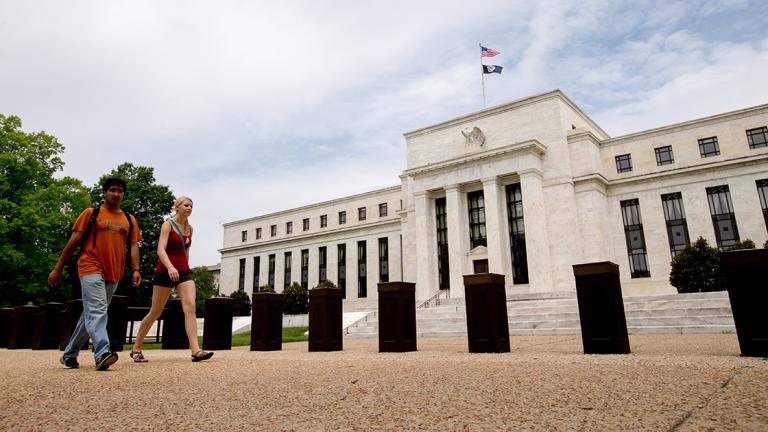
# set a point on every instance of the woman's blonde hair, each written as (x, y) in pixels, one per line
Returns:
(179, 200)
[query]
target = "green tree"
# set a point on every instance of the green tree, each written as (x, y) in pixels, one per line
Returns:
(242, 302)
(696, 269)
(206, 287)
(150, 204)
(295, 299)
(36, 213)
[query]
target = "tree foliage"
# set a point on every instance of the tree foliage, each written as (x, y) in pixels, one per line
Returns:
(696, 269)
(266, 289)
(150, 204)
(741, 245)
(206, 287)
(36, 213)
(295, 299)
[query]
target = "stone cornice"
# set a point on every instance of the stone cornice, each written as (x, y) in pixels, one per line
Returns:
(595, 178)
(691, 124)
(531, 146)
(314, 206)
(333, 231)
(489, 112)
(583, 135)
(749, 160)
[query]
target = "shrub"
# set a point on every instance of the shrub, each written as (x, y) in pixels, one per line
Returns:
(266, 288)
(295, 299)
(325, 283)
(242, 302)
(696, 269)
(746, 244)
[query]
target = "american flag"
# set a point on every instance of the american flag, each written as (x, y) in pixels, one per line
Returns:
(488, 52)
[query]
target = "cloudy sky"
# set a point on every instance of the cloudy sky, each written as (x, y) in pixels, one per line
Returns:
(252, 107)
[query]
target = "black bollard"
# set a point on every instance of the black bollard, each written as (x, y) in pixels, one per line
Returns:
(601, 308)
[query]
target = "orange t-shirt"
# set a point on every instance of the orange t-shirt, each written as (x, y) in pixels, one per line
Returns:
(108, 257)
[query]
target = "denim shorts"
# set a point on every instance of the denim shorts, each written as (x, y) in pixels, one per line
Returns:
(162, 279)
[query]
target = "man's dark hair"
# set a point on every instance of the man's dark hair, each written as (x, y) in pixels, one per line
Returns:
(110, 181)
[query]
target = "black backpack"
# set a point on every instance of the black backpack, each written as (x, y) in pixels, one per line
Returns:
(75, 257)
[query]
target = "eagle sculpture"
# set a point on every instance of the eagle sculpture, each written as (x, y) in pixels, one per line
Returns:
(474, 136)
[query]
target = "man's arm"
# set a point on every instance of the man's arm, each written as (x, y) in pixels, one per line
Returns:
(135, 269)
(66, 254)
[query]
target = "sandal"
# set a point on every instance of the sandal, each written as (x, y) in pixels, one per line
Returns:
(201, 355)
(138, 357)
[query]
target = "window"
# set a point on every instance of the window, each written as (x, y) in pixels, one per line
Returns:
(517, 234)
(289, 227)
(664, 155)
(757, 137)
(383, 259)
(342, 217)
(762, 192)
(323, 221)
(322, 261)
(382, 209)
(273, 230)
(709, 147)
(305, 224)
(677, 227)
(361, 214)
(256, 268)
(244, 235)
(287, 273)
(241, 277)
(271, 271)
(362, 285)
(723, 218)
(258, 233)
(633, 234)
(476, 219)
(443, 270)
(305, 268)
(341, 266)
(624, 163)
(480, 266)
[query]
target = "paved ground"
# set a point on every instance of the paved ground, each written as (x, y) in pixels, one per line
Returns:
(668, 383)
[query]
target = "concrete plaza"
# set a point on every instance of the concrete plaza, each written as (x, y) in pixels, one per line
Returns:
(670, 382)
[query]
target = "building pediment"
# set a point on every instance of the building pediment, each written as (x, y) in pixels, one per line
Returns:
(533, 147)
(478, 252)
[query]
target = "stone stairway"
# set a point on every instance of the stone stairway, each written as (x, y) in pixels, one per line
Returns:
(674, 313)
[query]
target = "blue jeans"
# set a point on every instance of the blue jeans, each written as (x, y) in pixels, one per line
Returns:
(93, 321)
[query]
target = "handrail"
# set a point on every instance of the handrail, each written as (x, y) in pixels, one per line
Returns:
(436, 298)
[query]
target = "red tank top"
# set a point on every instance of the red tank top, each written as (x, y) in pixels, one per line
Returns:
(175, 251)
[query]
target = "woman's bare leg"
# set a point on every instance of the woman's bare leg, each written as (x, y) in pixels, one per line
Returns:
(159, 298)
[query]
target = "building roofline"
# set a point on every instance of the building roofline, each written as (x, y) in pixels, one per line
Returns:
(554, 94)
(314, 205)
(688, 124)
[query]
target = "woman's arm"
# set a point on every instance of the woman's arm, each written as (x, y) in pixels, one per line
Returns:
(165, 232)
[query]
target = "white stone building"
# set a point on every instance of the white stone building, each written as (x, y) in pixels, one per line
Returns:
(525, 189)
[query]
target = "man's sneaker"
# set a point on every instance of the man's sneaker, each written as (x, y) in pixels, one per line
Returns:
(69, 362)
(105, 361)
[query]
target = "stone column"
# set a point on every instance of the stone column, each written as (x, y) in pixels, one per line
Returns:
(494, 225)
(536, 231)
(426, 246)
(457, 221)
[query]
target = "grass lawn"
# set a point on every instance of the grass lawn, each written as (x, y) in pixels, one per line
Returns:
(290, 334)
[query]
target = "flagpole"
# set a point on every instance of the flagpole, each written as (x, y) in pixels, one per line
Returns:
(482, 72)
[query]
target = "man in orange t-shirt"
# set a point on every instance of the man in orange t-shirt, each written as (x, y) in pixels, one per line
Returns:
(100, 267)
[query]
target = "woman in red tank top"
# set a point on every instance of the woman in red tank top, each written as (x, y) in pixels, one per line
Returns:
(172, 272)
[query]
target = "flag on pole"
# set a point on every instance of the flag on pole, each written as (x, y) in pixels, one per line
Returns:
(488, 52)
(489, 69)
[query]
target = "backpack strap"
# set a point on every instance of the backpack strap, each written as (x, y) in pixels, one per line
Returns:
(89, 227)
